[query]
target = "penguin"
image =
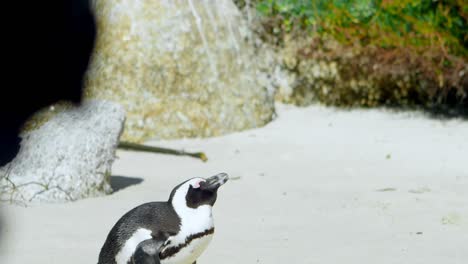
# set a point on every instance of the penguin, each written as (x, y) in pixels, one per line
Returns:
(176, 231)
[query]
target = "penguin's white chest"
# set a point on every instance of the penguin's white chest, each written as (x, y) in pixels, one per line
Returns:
(190, 252)
(196, 232)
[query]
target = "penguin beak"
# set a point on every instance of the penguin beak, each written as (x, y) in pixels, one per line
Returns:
(214, 182)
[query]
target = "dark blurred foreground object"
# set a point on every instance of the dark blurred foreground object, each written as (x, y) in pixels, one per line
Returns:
(48, 45)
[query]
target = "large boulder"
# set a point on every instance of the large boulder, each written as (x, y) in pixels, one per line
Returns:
(67, 158)
(180, 68)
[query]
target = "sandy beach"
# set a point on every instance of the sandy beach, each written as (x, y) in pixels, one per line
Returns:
(316, 185)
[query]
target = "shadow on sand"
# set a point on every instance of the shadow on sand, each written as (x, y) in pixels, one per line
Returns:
(121, 182)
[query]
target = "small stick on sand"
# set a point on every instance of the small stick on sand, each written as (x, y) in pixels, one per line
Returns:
(140, 147)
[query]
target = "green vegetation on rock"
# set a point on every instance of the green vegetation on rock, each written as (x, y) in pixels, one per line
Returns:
(383, 23)
(414, 51)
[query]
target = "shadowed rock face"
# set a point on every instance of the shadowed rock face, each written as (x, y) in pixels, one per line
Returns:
(180, 68)
(67, 158)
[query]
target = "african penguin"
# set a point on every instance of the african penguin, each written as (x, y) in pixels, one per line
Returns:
(173, 232)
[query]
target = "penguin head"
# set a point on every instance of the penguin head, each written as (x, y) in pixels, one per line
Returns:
(197, 192)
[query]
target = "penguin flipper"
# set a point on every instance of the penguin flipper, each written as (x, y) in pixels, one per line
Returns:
(147, 252)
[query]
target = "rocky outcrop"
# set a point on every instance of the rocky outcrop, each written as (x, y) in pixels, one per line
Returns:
(67, 158)
(326, 71)
(180, 68)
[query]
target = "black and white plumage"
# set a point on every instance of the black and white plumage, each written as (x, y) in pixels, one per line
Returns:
(147, 252)
(173, 232)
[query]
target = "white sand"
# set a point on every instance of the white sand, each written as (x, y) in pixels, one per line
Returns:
(304, 189)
